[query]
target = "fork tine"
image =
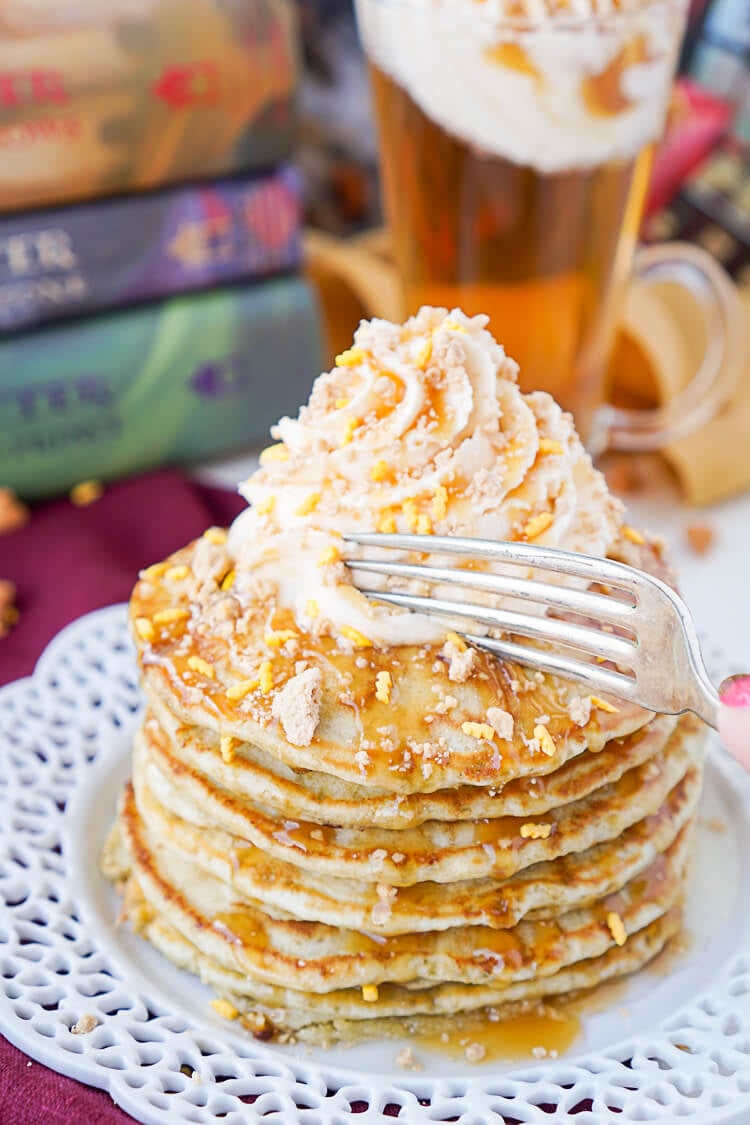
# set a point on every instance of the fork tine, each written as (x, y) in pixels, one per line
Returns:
(554, 663)
(591, 641)
(599, 606)
(539, 558)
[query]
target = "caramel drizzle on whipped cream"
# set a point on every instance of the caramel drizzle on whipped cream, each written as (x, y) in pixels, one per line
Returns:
(418, 428)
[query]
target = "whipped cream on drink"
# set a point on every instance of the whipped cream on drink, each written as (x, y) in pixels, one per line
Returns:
(418, 428)
(548, 86)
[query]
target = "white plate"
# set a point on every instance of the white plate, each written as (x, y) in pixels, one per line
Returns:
(65, 739)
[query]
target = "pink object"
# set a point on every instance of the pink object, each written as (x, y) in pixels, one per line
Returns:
(698, 120)
(734, 718)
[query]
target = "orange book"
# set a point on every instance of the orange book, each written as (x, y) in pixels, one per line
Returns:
(103, 96)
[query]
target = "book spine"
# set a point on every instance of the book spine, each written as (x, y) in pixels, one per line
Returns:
(169, 383)
(140, 248)
(124, 96)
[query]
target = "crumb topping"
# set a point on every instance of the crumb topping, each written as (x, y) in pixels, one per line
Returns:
(535, 831)
(579, 710)
(297, 707)
(617, 927)
(224, 1008)
(502, 722)
(545, 739)
(482, 731)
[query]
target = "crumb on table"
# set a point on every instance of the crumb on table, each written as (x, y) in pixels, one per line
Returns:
(625, 475)
(700, 537)
(13, 513)
(85, 493)
(9, 614)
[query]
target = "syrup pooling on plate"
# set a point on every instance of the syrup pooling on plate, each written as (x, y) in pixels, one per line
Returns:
(538, 1032)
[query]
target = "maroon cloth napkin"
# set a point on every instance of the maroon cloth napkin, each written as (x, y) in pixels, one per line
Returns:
(66, 562)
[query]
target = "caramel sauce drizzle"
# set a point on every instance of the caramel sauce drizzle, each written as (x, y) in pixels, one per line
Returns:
(602, 93)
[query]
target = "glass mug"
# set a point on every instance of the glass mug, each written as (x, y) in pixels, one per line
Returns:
(516, 146)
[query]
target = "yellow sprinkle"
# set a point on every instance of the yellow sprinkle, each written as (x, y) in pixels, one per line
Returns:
(424, 354)
(351, 426)
(228, 746)
(535, 831)
(616, 927)
(241, 689)
(546, 741)
(387, 524)
(369, 993)
(479, 730)
(86, 493)
(309, 504)
(383, 685)
(140, 916)
(215, 535)
(312, 608)
(169, 616)
(454, 639)
(265, 676)
(351, 357)
(329, 555)
(151, 573)
(633, 535)
(144, 628)
(228, 580)
(380, 470)
(175, 573)
(440, 503)
(411, 515)
(454, 326)
(340, 403)
(224, 1009)
(198, 664)
(359, 640)
(549, 445)
(265, 506)
(603, 705)
(424, 524)
(278, 452)
(537, 524)
(278, 637)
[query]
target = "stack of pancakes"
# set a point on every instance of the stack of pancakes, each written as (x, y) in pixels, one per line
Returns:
(407, 861)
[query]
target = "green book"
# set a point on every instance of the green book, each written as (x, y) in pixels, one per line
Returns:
(169, 383)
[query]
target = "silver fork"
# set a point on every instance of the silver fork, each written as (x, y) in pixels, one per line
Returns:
(653, 642)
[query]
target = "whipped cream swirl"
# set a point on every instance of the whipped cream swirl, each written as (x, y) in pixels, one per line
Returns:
(419, 427)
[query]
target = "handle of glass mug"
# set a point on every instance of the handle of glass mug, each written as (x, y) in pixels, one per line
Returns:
(717, 376)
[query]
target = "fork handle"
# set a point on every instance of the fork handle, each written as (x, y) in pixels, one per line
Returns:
(734, 717)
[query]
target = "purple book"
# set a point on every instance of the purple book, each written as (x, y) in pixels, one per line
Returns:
(120, 251)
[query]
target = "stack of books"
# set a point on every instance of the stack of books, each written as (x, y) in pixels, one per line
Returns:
(151, 305)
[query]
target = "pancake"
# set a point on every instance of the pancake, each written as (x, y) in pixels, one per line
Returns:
(322, 798)
(281, 1013)
(310, 956)
(422, 747)
(345, 818)
(540, 891)
(436, 850)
